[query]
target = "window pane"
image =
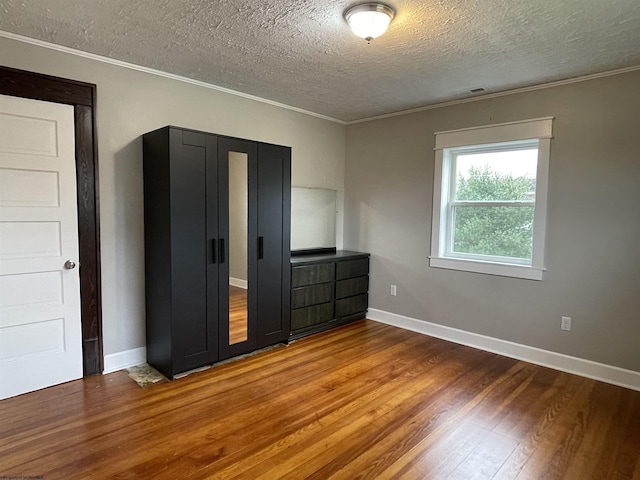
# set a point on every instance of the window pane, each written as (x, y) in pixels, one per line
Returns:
(498, 175)
(498, 231)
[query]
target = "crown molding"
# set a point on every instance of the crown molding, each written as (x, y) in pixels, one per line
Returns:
(503, 93)
(160, 73)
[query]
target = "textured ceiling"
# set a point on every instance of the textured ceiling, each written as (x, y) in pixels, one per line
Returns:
(301, 52)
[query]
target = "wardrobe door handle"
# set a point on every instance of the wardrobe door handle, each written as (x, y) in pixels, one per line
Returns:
(213, 250)
(260, 248)
(222, 252)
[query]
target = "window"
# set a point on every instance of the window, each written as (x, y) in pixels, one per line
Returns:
(490, 197)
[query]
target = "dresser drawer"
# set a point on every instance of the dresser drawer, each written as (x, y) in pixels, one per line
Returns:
(305, 317)
(349, 306)
(352, 286)
(352, 268)
(311, 295)
(312, 274)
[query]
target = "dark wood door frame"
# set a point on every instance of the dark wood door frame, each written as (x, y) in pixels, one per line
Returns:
(82, 96)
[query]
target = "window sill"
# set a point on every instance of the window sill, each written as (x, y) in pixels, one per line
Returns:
(475, 266)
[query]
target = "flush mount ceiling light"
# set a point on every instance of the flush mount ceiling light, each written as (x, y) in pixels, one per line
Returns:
(369, 20)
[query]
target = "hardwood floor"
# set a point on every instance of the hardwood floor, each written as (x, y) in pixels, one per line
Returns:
(363, 401)
(237, 314)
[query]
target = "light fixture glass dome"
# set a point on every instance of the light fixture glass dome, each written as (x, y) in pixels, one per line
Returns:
(369, 20)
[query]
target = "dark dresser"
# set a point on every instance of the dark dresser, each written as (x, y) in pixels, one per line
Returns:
(327, 289)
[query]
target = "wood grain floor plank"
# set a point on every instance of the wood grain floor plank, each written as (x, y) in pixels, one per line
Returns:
(485, 460)
(448, 402)
(228, 378)
(362, 401)
(326, 452)
(416, 464)
(346, 400)
(615, 437)
(247, 388)
(440, 455)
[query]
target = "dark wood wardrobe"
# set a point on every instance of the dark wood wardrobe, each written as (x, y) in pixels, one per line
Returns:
(217, 247)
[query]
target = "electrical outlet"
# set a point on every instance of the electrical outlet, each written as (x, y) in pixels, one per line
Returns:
(393, 290)
(565, 324)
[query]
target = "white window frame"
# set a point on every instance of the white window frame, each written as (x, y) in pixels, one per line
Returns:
(450, 143)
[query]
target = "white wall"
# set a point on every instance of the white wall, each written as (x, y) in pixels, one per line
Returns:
(593, 222)
(131, 103)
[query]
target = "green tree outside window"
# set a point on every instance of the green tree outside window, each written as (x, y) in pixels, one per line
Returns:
(487, 230)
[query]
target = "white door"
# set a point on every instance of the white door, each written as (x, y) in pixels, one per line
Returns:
(40, 330)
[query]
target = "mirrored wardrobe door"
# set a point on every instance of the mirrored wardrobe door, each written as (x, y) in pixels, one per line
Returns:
(238, 230)
(236, 329)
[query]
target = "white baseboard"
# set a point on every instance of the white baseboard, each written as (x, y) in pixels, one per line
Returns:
(238, 282)
(126, 359)
(558, 361)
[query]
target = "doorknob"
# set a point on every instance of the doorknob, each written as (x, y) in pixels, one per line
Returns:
(69, 265)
